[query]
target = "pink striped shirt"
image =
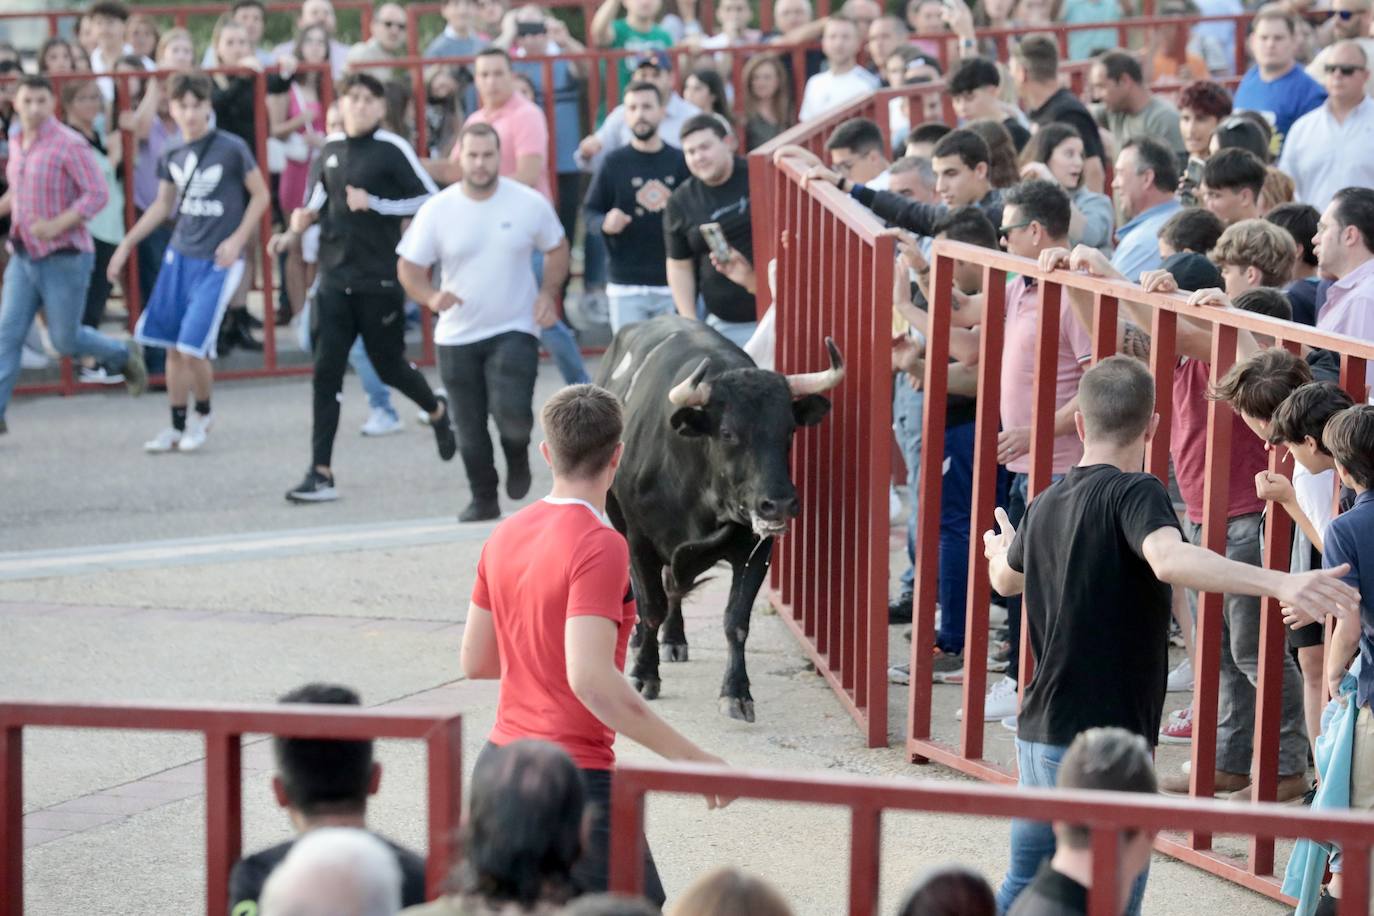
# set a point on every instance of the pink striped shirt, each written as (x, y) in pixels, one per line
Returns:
(49, 174)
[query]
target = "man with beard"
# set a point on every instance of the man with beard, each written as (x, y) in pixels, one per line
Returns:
(483, 233)
(627, 197)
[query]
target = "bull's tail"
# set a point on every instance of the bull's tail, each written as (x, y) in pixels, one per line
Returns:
(692, 559)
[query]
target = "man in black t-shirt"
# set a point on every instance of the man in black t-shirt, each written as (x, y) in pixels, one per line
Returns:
(321, 784)
(1034, 69)
(627, 197)
(717, 192)
(1095, 557)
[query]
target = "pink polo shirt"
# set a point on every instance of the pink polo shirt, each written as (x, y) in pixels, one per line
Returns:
(1349, 308)
(523, 130)
(1018, 369)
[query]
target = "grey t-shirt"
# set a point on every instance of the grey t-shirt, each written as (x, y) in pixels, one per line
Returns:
(1158, 120)
(208, 174)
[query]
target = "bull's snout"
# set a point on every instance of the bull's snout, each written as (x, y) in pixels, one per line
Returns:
(778, 510)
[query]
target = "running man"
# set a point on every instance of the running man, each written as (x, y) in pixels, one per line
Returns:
(369, 181)
(557, 640)
(483, 232)
(211, 186)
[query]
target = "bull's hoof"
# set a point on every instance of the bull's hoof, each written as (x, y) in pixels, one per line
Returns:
(737, 708)
(674, 652)
(648, 687)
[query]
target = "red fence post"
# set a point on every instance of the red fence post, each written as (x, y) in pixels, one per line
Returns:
(445, 749)
(223, 815)
(627, 836)
(11, 819)
(865, 854)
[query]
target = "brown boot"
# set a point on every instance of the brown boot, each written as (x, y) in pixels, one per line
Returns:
(1225, 783)
(1291, 789)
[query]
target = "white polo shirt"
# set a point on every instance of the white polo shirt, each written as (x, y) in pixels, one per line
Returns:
(1323, 156)
(484, 249)
(825, 90)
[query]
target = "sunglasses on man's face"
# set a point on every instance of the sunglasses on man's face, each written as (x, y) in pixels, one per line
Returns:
(1004, 231)
(1345, 15)
(394, 24)
(1343, 69)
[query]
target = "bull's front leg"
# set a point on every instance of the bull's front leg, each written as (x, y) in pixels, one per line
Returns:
(735, 699)
(646, 572)
(674, 631)
(644, 674)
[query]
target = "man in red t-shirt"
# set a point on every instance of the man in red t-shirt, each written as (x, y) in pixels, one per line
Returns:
(551, 616)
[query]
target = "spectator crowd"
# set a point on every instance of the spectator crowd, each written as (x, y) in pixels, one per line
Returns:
(1259, 199)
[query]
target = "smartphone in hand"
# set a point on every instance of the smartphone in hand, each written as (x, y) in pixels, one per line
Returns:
(715, 240)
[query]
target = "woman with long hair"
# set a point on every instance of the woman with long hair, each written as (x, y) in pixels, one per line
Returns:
(705, 89)
(1055, 152)
(56, 57)
(233, 100)
(767, 99)
(297, 118)
(143, 36)
(1002, 172)
(83, 107)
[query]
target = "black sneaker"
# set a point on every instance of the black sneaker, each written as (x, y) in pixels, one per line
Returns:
(315, 488)
(443, 432)
(899, 611)
(481, 510)
(518, 478)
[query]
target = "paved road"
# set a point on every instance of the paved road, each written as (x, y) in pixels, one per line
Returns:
(179, 578)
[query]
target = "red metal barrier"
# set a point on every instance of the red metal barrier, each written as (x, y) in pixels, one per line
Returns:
(1106, 814)
(224, 728)
(1256, 872)
(181, 15)
(834, 277)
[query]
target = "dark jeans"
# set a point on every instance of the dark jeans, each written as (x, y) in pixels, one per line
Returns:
(491, 377)
(98, 293)
(338, 318)
(592, 873)
(1016, 511)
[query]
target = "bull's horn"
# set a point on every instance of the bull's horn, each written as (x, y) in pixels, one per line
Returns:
(690, 392)
(804, 383)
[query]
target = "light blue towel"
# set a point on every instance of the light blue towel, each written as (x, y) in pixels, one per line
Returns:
(1335, 745)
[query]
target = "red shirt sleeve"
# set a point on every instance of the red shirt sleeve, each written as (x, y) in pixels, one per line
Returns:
(599, 577)
(480, 596)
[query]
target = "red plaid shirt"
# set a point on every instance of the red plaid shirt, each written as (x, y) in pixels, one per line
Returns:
(48, 175)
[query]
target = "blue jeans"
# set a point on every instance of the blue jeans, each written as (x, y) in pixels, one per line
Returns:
(908, 409)
(1032, 842)
(956, 503)
(56, 284)
(559, 340)
(737, 332)
(378, 395)
(629, 309)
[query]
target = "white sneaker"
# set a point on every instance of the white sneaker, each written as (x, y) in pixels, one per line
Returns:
(383, 423)
(1181, 678)
(166, 441)
(197, 431)
(30, 358)
(1000, 703)
(99, 375)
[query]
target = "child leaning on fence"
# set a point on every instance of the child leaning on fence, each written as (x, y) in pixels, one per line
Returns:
(1345, 756)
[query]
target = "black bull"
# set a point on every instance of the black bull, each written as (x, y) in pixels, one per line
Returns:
(704, 478)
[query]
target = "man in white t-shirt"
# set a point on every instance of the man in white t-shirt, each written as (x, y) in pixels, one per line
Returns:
(482, 233)
(844, 79)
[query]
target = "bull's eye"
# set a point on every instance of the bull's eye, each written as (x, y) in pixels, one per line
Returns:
(728, 437)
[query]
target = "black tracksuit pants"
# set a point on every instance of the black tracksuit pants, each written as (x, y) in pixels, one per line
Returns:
(339, 316)
(492, 377)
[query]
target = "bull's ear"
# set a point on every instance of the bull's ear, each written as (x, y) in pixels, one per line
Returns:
(810, 410)
(691, 421)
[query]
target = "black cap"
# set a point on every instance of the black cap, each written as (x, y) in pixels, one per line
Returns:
(655, 59)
